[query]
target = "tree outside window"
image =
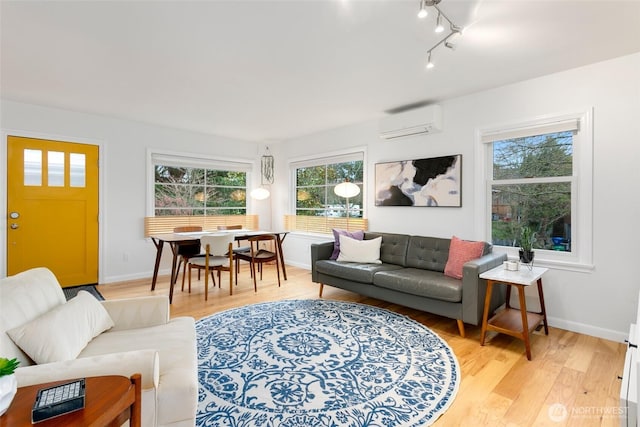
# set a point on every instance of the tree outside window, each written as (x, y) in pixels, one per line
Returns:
(532, 186)
(314, 189)
(199, 191)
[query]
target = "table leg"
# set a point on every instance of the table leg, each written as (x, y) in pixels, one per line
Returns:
(281, 255)
(174, 274)
(485, 316)
(525, 322)
(158, 244)
(542, 307)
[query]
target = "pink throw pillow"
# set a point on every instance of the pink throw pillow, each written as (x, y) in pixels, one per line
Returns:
(358, 235)
(460, 252)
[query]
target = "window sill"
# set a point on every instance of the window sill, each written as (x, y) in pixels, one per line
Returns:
(575, 266)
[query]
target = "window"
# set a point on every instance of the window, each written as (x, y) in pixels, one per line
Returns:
(314, 193)
(317, 207)
(186, 186)
(539, 175)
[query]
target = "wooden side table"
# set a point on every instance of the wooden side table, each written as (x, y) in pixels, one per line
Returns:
(109, 401)
(515, 322)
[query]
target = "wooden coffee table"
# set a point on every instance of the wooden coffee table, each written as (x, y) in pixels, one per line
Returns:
(109, 401)
(520, 322)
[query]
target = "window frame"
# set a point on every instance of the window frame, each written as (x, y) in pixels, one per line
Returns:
(184, 159)
(581, 256)
(355, 153)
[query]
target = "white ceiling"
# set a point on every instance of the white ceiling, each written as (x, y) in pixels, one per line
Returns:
(270, 70)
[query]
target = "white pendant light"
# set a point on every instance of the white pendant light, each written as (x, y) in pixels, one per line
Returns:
(260, 193)
(347, 189)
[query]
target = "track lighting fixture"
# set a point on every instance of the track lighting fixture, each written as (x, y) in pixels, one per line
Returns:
(448, 39)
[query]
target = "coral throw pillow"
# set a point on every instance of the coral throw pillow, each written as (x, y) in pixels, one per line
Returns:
(358, 235)
(460, 252)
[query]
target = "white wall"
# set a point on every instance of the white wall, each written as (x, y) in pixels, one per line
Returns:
(125, 253)
(601, 302)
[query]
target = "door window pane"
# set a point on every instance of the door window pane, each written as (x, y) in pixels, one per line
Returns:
(32, 167)
(77, 163)
(55, 167)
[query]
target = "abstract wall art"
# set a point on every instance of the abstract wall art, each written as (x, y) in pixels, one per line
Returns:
(436, 181)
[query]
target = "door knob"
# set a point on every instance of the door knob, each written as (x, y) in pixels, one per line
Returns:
(14, 226)
(14, 215)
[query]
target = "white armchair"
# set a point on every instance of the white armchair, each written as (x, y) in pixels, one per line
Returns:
(143, 339)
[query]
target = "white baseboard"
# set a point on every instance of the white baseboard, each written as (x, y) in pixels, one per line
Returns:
(299, 265)
(585, 329)
(134, 276)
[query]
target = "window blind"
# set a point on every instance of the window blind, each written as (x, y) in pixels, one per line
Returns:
(539, 129)
(350, 157)
(202, 163)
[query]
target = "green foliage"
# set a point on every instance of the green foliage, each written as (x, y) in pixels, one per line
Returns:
(527, 238)
(191, 191)
(543, 206)
(8, 367)
(314, 189)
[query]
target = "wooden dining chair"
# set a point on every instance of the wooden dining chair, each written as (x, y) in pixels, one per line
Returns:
(218, 257)
(238, 249)
(259, 256)
(186, 251)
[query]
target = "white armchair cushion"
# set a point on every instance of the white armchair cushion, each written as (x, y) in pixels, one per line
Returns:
(24, 297)
(63, 332)
(127, 363)
(175, 342)
(141, 312)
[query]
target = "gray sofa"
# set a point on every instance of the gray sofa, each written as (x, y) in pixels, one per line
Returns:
(412, 274)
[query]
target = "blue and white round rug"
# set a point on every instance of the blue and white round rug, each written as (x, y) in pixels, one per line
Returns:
(321, 363)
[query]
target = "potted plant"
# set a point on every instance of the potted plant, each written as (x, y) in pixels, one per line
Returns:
(527, 237)
(8, 382)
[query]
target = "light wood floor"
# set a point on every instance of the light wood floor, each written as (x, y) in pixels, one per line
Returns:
(499, 386)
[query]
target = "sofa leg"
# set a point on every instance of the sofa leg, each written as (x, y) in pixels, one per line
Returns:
(461, 327)
(321, 287)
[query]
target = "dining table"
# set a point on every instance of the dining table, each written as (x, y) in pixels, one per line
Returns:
(174, 240)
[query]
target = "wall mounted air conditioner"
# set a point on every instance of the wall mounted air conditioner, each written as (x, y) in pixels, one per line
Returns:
(424, 120)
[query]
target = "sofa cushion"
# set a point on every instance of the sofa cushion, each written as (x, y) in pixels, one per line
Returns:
(354, 271)
(460, 252)
(393, 249)
(358, 235)
(61, 333)
(428, 253)
(175, 342)
(23, 297)
(424, 283)
(366, 251)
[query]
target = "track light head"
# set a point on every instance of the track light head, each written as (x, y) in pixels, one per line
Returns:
(422, 13)
(439, 27)
(450, 45)
(430, 64)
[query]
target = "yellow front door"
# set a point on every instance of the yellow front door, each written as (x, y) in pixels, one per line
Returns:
(52, 201)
